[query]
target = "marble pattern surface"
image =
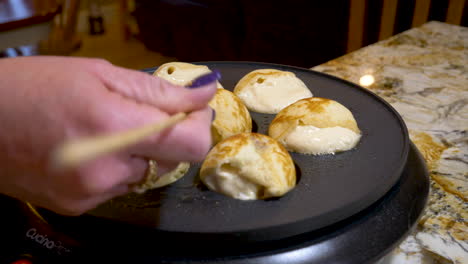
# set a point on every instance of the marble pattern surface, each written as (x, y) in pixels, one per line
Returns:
(423, 74)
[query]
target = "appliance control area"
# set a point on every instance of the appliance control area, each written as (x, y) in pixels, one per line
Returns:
(26, 239)
(28, 250)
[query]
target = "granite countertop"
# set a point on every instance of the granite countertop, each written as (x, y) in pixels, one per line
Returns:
(423, 74)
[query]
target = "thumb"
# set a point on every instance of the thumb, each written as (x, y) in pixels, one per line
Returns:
(155, 91)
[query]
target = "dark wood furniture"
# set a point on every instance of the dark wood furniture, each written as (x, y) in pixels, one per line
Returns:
(40, 26)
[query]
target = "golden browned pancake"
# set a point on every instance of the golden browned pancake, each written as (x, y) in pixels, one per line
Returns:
(153, 180)
(269, 90)
(232, 117)
(249, 166)
(315, 126)
(182, 73)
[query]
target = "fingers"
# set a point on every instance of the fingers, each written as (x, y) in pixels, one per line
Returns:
(104, 174)
(76, 207)
(187, 141)
(152, 90)
(100, 182)
(138, 167)
(166, 166)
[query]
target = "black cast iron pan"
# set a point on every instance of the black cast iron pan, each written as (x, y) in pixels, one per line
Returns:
(330, 188)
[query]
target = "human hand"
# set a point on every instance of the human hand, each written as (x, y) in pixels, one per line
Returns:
(46, 100)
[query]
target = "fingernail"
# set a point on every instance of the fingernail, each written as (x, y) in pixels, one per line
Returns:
(205, 79)
(213, 116)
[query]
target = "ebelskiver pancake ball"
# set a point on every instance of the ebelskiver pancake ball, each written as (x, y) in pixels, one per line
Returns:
(268, 91)
(249, 166)
(315, 126)
(182, 73)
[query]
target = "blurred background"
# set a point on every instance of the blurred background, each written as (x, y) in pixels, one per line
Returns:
(139, 34)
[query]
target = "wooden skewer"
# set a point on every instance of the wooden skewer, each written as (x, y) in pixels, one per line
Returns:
(76, 152)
